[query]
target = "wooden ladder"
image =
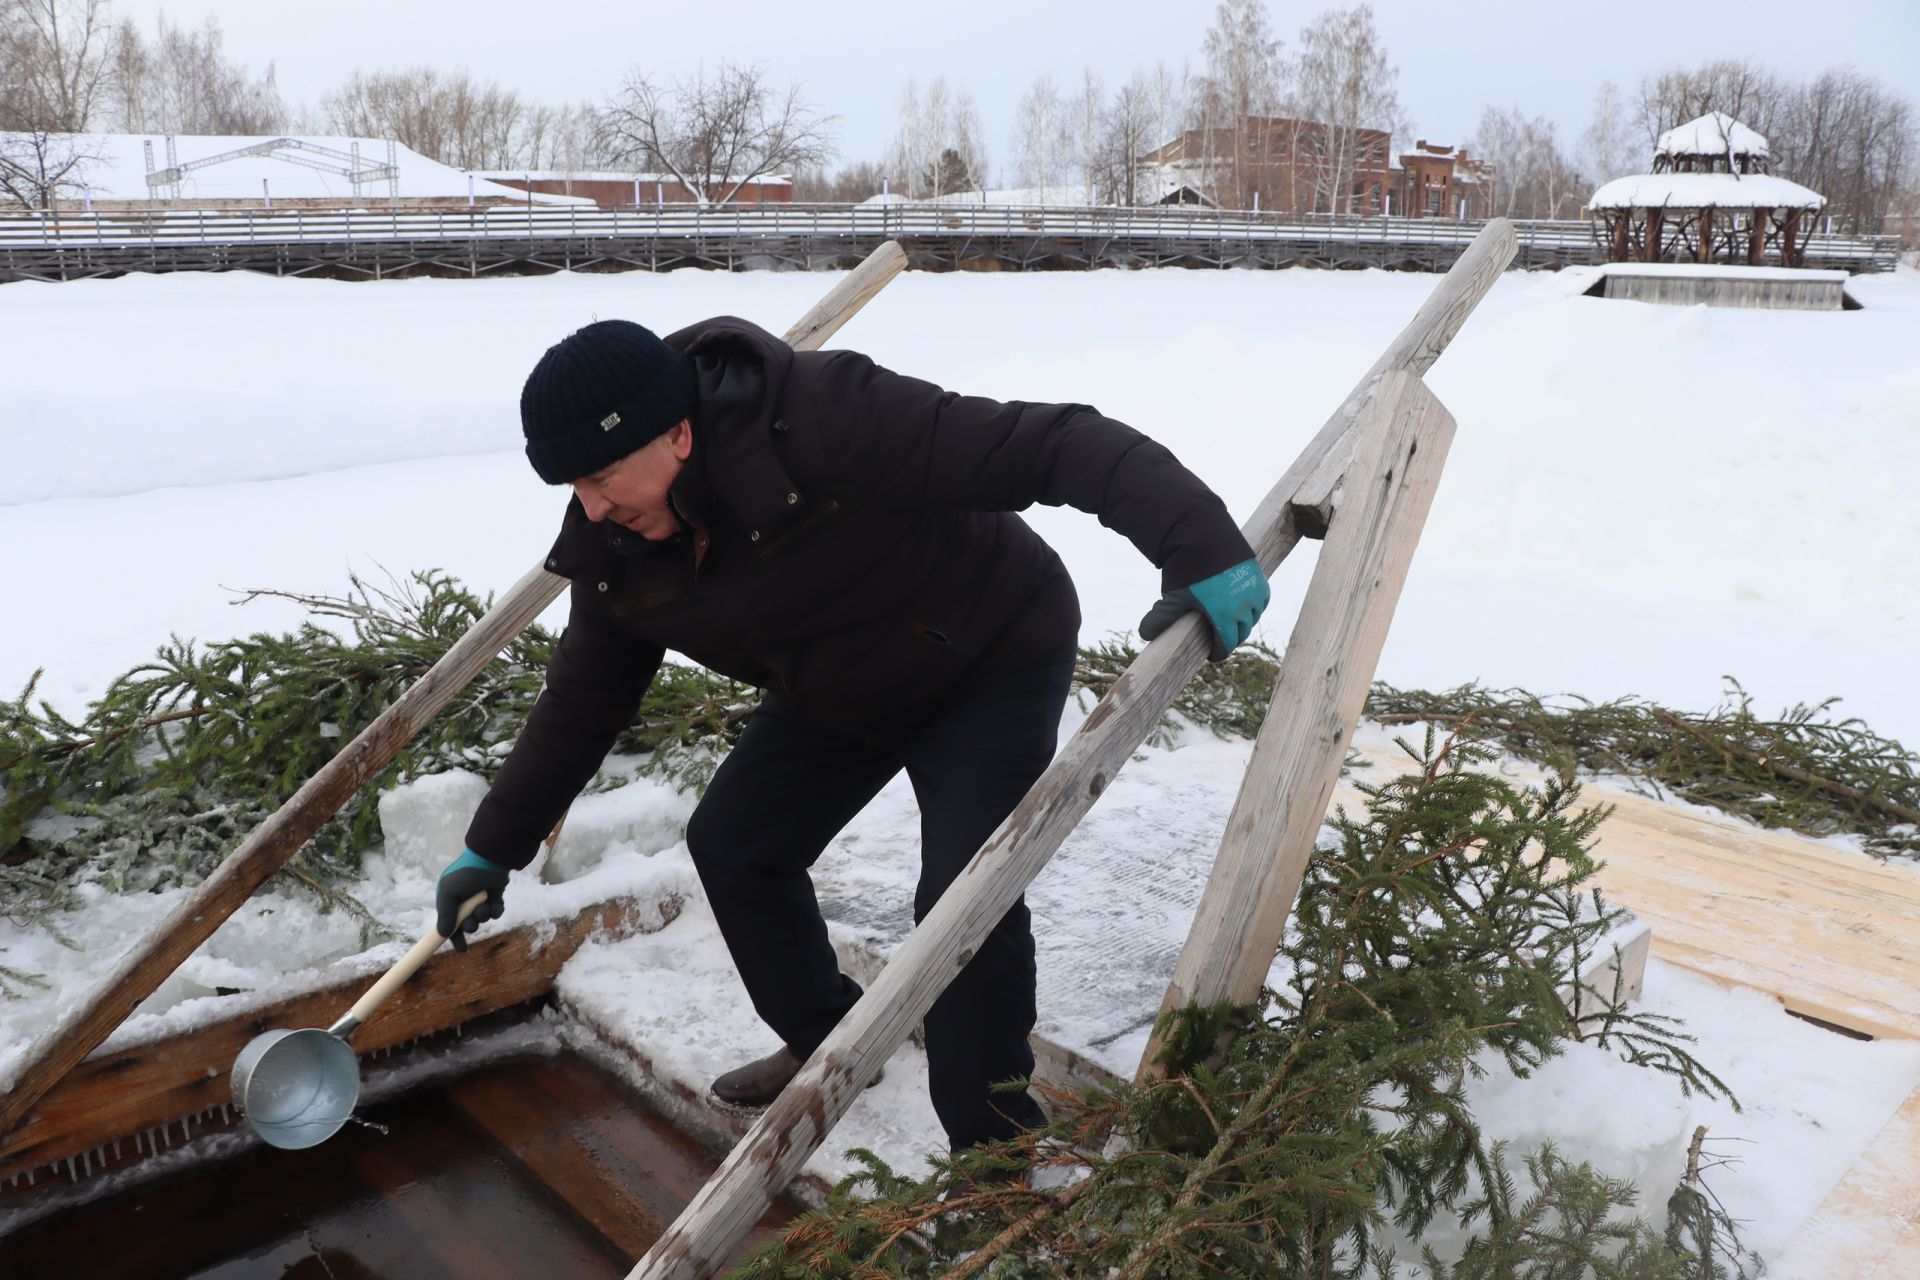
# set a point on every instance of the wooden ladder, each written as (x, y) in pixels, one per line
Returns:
(1364, 484)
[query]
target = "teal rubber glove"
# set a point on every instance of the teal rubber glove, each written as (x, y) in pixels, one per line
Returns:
(1232, 601)
(465, 876)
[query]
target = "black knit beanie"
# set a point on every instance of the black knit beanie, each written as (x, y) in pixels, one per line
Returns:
(599, 394)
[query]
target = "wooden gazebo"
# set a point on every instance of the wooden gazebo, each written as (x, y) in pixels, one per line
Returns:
(1711, 197)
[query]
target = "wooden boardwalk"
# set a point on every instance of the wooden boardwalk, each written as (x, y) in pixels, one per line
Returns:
(374, 243)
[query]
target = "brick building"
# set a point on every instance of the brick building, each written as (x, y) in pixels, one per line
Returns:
(1441, 182)
(1275, 163)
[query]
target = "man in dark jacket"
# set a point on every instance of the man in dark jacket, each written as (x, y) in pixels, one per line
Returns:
(842, 537)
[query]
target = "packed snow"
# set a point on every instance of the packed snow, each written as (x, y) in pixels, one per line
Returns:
(1713, 134)
(1704, 190)
(1640, 499)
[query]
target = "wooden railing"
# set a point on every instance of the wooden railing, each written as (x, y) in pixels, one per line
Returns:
(195, 227)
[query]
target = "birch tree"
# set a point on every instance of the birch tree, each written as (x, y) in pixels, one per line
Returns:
(1127, 131)
(1609, 149)
(1084, 132)
(1039, 127)
(937, 148)
(1344, 84)
(1240, 91)
(183, 82)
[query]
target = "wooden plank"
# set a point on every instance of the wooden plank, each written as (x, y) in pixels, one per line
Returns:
(1400, 449)
(1868, 1227)
(166, 947)
(774, 1150)
(1828, 932)
(129, 1090)
(621, 1170)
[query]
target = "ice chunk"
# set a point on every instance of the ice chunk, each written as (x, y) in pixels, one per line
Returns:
(425, 821)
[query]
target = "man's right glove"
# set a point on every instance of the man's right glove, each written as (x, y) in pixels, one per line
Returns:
(465, 876)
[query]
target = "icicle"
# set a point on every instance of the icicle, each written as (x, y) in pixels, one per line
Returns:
(29, 1177)
(116, 1148)
(86, 1163)
(226, 1112)
(186, 1128)
(71, 1175)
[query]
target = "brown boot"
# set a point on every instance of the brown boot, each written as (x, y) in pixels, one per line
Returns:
(755, 1086)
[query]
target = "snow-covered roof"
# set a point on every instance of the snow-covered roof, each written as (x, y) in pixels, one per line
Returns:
(1713, 134)
(117, 170)
(605, 175)
(1698, 190)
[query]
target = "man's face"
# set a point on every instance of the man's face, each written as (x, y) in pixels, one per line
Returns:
(633, 491)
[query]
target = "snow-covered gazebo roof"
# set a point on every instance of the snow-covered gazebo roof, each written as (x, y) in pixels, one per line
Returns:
(1703, 191)
(1713, 134)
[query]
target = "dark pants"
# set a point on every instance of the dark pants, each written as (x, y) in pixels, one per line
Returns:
(791, 784)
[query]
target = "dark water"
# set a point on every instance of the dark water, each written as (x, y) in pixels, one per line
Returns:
(536, 1168)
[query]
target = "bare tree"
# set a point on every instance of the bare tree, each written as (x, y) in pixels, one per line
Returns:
(1241, 89)
(561, 138)
(937, 149)
(1083, 132)
(1738, 87)
(851, 184)
(714, 131)
(451, 118)
(1532, 174)
(1608, 148)
(183, 83)
(1039, 135)
(39, 167)
(1126, 127)
(58, 56)
(1344, 85)
(55, 60)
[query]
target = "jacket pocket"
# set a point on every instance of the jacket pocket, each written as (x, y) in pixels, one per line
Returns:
(650, 602)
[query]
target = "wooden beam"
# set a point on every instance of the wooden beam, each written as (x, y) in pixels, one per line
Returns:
(1868, 1227)
(154, 957)
(125, 1092)
(774, 1150)
(1399, 451)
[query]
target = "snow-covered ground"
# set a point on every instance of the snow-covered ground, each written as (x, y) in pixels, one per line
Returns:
(1640, 499)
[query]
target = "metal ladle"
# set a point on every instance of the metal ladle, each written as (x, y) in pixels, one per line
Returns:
(298, 1088)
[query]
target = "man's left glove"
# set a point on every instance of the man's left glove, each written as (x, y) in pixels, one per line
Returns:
(1232, 601)
(465, 876)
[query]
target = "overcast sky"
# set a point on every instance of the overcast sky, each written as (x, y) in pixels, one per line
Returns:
(854, 56)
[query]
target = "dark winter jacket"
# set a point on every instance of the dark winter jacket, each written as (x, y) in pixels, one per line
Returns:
(859, 556)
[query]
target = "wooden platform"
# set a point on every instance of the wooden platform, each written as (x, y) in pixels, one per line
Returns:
(544, 1166)
(1829, 933)
(1868, 1227)
(1686, 284)
(125, 1101)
